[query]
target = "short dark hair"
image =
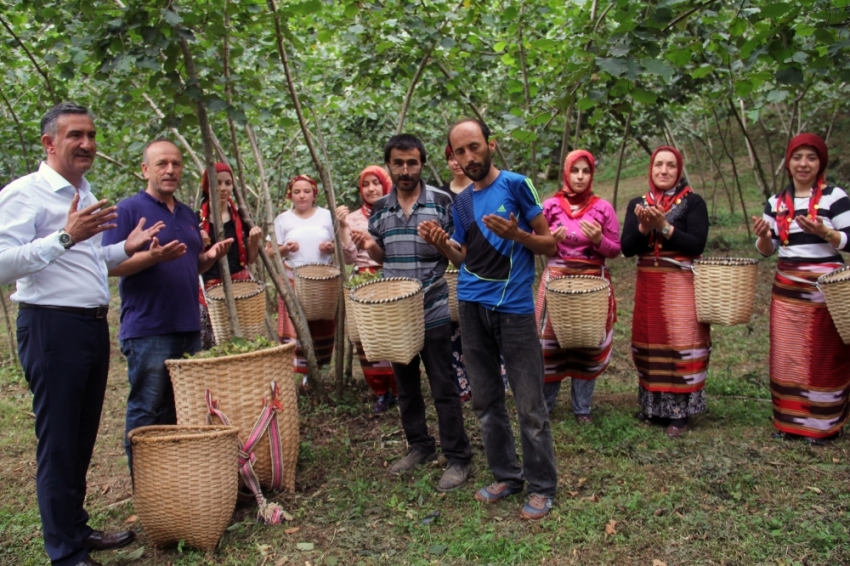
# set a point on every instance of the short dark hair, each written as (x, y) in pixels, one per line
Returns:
(50, 120)
(152, 142)
(404, 142)
(481, 125)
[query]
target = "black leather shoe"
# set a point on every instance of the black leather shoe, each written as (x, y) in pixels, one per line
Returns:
(100, 540)
(88, 562)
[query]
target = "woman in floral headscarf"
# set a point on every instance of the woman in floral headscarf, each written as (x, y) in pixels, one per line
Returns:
(374, 183)
(667, 228)
(246, 243)
(587, 232)
(305, 234)
(808, 222)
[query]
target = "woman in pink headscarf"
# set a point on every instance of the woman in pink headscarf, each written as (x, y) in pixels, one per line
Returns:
(374, 183)
(808, 223)
(587, 232)
(667, 228)
(246, 243)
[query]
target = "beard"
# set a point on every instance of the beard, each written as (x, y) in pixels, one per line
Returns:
(483, 167)
(411, 182)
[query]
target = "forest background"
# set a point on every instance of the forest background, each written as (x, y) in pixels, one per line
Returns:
(317, 87)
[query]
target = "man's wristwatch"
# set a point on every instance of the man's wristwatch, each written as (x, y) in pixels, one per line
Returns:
(65, 239)
(665, 230)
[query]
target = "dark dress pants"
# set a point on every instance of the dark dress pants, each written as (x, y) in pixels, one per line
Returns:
(66, 361)
(437, 358)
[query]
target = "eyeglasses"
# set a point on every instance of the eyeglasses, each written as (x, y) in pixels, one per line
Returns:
(411, 165)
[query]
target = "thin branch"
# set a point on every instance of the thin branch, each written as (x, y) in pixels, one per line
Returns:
(130, 170)
(20, 130)
(620, 158)
(35, 64)
(410, 88)
(765, 187)
(685, 15)
(526, 89)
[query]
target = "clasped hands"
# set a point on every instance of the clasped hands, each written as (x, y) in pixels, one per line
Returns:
(650, 218)
(592, 230)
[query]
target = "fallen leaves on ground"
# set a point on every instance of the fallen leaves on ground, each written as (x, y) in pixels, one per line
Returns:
(292, 531)
(611, 527)
(132, 519)
(656, 562)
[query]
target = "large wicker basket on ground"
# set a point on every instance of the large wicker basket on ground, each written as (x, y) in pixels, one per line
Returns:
(317, 287)
(835, 287)
(350, 321)
(725, 289)
(185, 482)
(250, 307)
(390, 316)
(240, 383)
(577, 305)
(451, 278)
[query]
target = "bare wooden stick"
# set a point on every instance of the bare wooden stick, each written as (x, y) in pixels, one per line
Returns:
(620, 158)
(215, 210)
(130, 170)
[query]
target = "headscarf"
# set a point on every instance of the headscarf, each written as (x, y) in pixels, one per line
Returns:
(386, 185)
(297, 178)
(656, 196)
(234, 212)
(568, 198)
(785, 201)
(659, 197)
(449, 152)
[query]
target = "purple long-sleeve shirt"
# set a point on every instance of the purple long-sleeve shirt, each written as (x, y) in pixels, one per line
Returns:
(576, 245)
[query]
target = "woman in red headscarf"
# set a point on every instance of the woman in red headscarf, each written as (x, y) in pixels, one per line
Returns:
(374, 183)
(240, 256)
(808, 222)
(667, 228)
(587, 232)
(305, 234)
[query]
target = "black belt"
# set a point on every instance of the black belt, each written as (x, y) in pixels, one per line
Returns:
(95, 312)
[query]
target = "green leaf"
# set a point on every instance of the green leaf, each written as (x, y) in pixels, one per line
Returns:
(524, 136)
(658, 67)
(305, 546)
(331, 561)
(508, 60)
(172, 18)
(437, 549)
(613, 66)
(500, 46)
(644, 96)
(738, 27)
(352, 10)
(308, 7)
(743, 87)
(776, 10)
(777, 95)
(585, 104)
(702, 71)
(543, 44)
(215, 104)
(448, 42)
(679, 57)
(789, 75)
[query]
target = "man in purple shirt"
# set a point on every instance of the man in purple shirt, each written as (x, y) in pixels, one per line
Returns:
(159, 288)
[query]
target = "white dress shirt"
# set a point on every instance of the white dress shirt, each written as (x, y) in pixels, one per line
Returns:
(32, 211)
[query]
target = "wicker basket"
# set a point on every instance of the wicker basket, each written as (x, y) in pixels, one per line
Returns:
(317, 289)
(250, 307)
(578, 309)
(350, 322)
(185, 482)
(240, 383)
(390, 316)
(725, 289)
(835, 287)
(451, 278)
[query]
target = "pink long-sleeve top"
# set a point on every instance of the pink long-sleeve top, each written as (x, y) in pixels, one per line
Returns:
(576, 245)
(360, 258)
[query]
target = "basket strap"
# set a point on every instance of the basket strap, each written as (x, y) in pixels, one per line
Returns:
(676, 262)
(269, 513)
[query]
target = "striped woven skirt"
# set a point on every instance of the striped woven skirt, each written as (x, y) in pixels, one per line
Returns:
(322, 332)
(578, 363)
(809, 364)
(670, 348)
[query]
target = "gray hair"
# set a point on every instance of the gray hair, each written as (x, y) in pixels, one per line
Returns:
(50, 121)
(152, 142)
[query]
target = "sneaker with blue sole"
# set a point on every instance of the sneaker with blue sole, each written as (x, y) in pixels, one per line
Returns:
(496, 492)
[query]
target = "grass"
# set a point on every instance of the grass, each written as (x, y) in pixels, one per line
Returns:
(724, 494)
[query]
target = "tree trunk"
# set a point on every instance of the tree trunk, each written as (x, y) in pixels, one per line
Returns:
(731, 156)
(565, 140)
(278, 274)
(754, 158)
(215, 208)
(13, 349)
(327, 184)
(620, 159)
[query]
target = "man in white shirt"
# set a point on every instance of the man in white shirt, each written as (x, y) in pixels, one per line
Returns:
(50, 243)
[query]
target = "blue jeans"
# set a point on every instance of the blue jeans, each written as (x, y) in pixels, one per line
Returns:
(151, 399)
(581, 393)
(486, 334)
